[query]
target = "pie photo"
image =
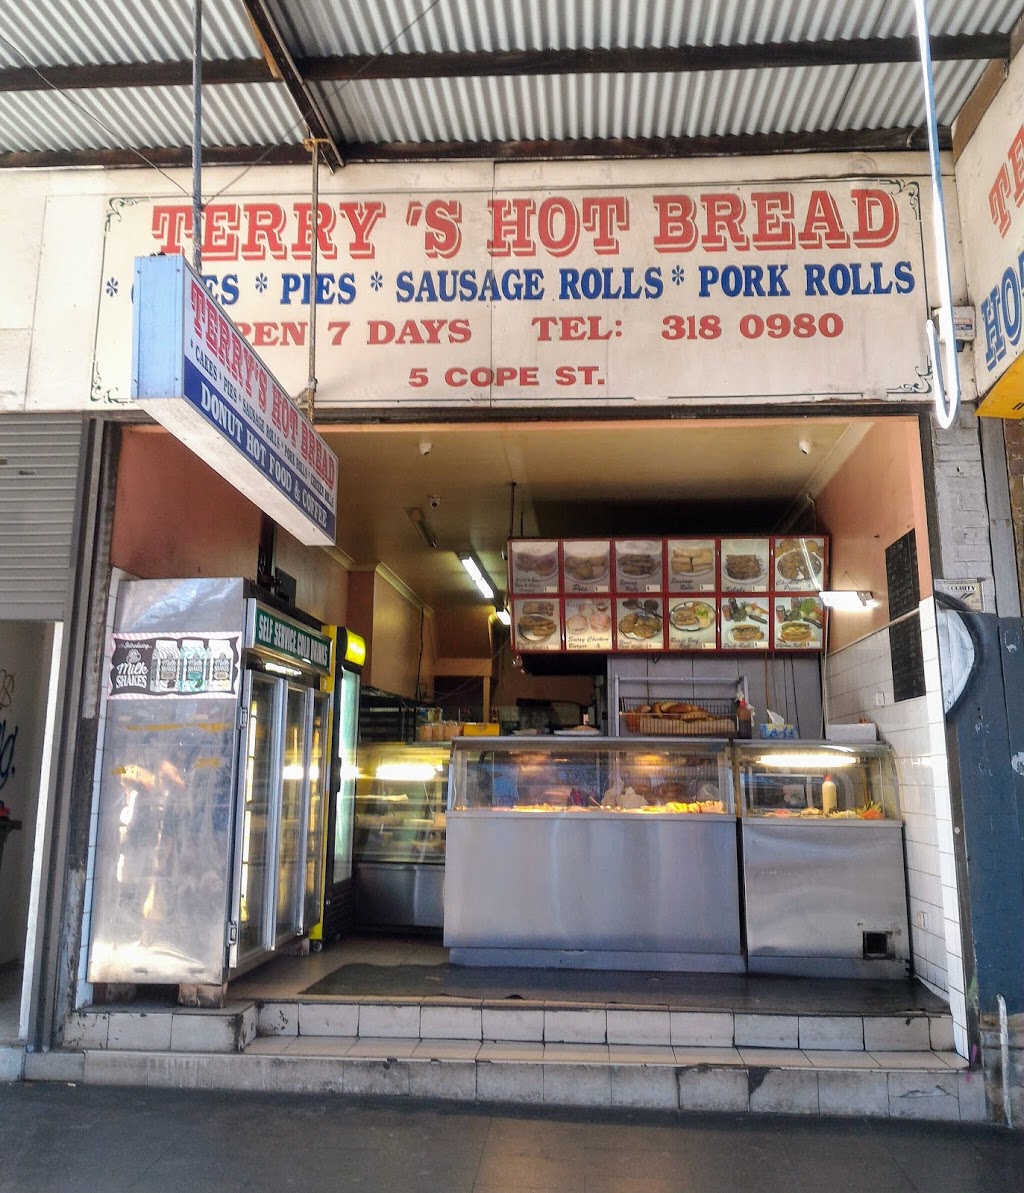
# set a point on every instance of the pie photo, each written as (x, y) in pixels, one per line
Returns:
(799, 567)
(586, 567)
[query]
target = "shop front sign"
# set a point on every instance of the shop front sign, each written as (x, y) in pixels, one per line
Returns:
(196, 374)
(990, 186)
(517, 295)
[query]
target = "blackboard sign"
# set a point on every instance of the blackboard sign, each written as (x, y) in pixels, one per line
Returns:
(907, 657)
(901, 576)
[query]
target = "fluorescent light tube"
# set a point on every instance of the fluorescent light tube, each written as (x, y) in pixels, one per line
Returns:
(850, 601)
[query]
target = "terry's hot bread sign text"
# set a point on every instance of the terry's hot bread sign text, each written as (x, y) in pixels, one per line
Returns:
(666, 294)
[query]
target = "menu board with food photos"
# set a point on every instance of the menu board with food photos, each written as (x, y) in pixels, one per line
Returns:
(676, 594)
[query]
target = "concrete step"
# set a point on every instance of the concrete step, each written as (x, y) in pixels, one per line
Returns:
(929, 1085)
(233, 1029)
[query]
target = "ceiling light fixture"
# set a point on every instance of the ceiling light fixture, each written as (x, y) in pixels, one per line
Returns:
(849, 601)
(418, 519)
(480, 578)
(503, 616)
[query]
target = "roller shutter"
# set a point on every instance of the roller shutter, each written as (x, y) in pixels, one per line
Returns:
(39, 485)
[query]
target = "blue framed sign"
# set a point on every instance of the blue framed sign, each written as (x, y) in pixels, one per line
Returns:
(197, 375)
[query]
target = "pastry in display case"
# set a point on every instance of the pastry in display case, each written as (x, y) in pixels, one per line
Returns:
(398, 846)
(536, 775)
(400, 803)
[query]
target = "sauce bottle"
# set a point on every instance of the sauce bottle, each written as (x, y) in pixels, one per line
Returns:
(828, 795)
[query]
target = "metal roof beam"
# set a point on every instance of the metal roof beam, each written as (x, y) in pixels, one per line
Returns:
(282, 65)
(653, 60)
(134, 74)
(825, 141)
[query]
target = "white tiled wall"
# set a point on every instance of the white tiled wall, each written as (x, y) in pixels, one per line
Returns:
(859, 685)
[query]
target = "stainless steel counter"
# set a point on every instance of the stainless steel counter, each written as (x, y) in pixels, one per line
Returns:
(591, 889)
(825, 898)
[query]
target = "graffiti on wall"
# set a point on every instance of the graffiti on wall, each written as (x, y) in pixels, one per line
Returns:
(8, 731)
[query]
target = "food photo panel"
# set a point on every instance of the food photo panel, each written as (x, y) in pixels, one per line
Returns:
(588, 623)
(799, 623)
(586, 565)
(746, 623)
(799, 564)
(533, 565)
(692, 623)
(638, 565)
(639, 623)
(692, 565)
(536, 625)
(745, 565)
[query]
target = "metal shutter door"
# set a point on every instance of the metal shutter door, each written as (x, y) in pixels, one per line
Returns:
(39, 462)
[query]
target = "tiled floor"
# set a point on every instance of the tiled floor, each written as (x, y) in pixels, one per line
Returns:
(416, 968)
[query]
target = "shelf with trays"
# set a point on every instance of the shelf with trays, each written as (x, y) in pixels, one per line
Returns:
(646, 707)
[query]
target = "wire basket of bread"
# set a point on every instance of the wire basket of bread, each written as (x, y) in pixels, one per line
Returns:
(712, 717)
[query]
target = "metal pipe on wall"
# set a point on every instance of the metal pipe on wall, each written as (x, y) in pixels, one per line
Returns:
(197, 135)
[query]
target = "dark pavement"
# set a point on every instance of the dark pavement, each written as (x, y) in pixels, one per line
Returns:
(103, 1140)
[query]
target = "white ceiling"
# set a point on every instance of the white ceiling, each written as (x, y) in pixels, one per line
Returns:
(570, 478)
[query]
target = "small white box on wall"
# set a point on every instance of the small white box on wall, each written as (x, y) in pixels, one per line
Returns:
(858, 732)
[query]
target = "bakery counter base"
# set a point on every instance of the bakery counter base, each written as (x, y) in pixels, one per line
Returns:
(397, 895)
(855, 924)
(593, 890)
(598, 959)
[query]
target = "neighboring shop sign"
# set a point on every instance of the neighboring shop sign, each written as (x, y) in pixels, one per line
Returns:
(678, 594)
(290, 640)
(151, 665)
(990, 188)
(194, 372)
(971, 592)
(675, 293)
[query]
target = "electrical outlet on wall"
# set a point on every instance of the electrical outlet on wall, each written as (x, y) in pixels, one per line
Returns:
(879, 700)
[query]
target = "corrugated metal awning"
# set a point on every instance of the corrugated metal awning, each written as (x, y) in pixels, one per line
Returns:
(388, 79)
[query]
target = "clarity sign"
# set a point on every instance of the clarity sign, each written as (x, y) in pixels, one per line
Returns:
(195, 373)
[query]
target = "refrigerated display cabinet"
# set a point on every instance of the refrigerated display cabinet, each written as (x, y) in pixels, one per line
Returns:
(823, 865)
(591, 852)
(211, 783)
(399, 839)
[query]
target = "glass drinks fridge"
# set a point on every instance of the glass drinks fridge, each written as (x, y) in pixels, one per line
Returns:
(212, 783)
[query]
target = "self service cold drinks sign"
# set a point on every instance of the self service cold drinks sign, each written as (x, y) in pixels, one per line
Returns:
(780, 291)
(194, 372)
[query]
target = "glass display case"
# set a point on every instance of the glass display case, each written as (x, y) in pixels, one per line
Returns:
(811, 781)
(822, 821)
(398, 847)
(592, 852)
